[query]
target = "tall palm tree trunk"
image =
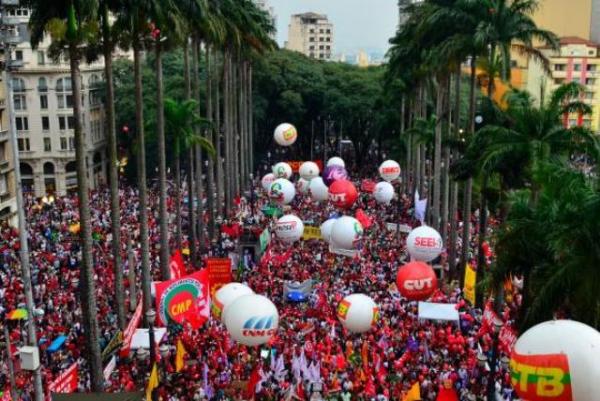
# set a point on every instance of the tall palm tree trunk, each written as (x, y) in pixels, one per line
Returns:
(219, 143)
(211, 165)
(227, 125)
(113, 173)
(197, 150)
(454, 185)
(86, 282)
(141, 165)
(191, 209)
(162, 166)
(250, 118)
(437, 153)
(446, 163)
(242, 125)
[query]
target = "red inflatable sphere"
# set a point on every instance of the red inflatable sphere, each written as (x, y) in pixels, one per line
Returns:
(416, 281)
(343, 193)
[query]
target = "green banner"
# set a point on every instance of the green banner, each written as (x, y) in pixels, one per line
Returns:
(265, 238)
(272, 211)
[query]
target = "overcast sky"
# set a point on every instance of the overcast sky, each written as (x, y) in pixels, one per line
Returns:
(358, 24)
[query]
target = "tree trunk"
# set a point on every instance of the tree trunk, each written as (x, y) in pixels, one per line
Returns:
(113, 172)
(131, 264)
(250, 119)
(446, 166)
(437, 153)
(198, 151)
(141, 165)
(162, 167)
(179, 153)
(454, 185)
(218, 145)
(211, 162)
(191, 209)
(86, 282)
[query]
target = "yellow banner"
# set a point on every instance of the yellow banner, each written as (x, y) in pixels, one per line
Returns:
(311, 232)
(470, 280)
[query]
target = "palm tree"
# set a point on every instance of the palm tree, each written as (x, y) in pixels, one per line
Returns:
(72, 25)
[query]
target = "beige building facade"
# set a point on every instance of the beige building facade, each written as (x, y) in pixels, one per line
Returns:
(312, 35)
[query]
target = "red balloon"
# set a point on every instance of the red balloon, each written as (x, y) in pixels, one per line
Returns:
(342, 193)
(416, 281)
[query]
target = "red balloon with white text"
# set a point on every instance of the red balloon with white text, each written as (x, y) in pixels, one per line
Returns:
(343, 193)
(416, 281)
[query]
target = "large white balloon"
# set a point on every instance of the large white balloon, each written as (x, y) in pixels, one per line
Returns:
(282, 191)
(326, 228)
(318, 189)
(346, 233)
(309, 170)
(285, 134)
(384, 192)
(226, 295)
(282, 170)
(267, 180)
(302, 185)
(389, 170)
(557, 360)
(289, 228)
(252, 319)
(358, 313)
(424, 243)
(336, 161)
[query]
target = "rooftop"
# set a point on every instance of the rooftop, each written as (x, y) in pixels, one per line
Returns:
(310, 15)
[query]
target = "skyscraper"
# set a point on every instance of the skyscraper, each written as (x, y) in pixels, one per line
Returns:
(311, 34)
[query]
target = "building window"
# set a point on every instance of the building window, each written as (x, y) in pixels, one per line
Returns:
(19, 55)
(71, 143)
(41, 57)
(311, 39)
(590, 81)
(591, 67)
(321, 55)
(321, 31)
(23, 144)
(95, 86)
(311, 30)
(321, 47)
(576, 67)
(42, 85)
(22, 123)
(19, 94)
(47, 145)
(45, 123)
(64, 94)
(328, 40)
(589, 95)
(587, 123)
(312, 55)
(63, 143)
(560, 67)
(321, 39)
(3, 185)
(328, 47)
(44, 102)
(329, 31)
(572, 123)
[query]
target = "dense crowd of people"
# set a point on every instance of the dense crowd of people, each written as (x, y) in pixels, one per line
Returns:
(311, 355)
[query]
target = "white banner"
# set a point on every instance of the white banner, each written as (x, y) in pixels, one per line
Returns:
(110, 367)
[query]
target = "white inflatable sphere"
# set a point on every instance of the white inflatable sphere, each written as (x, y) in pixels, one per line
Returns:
(289, 228)
(285, 134)
(358, 313)
(267, 180)
(346, 232)
(336, 161)
(226, 295)
(252, 320)
(552, 351)
(282, 191)
(318, 189)
(326, 228)
(282, 170)
(424, 243)
(384, 192)
(389, 170)
(309, 170)
(302, 185)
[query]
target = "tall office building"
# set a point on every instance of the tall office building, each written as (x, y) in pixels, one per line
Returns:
(265, 6)
(312, 35)
(579, 18)
(43, 111)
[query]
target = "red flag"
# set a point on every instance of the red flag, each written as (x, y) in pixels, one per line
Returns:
(340, 361)
(363, 219)
(447, 393)
(300, 391)
(252, 382)
(176, 266)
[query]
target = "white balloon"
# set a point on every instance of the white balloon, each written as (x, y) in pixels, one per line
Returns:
(309, 170)
(285, 134)
(282, 191)
(384, 192)
(289, 228)
(318, 189)
(282, 170)
(358, 313)
(226, 295)
(267, 180)
(302, 185)
(389, 170)
(336, 161)
(252, 320)
(326, 228)
(552, 341)
(346, 232)
(424, 243)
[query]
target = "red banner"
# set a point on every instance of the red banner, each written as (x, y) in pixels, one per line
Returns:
(295, 165)
(541, 377)
(507, 338)
(367, 186)
(130, 329)
(219, 273)
(185, 300)
(66, 382)
(176, 266)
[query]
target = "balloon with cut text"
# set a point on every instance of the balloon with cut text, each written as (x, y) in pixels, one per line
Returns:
(282, 191)
(326, 228)
(358, 313)
(336, 161)
(318, 189)
(384, 192)
(285, 134)
(282, 170)
(346, 233)
(389, 170)
(267, 180)
(289, 228)
(424, 243)
(343, 193)
(226, 295)
(334, 173)
(416, 281)
(252, 320)
(309, 170)
(557, 361)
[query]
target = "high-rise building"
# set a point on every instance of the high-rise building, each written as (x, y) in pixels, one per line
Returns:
(43, 112)
(579, 18)
(8, 201)
(403, 15)
(265, 6)
(311, 34)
